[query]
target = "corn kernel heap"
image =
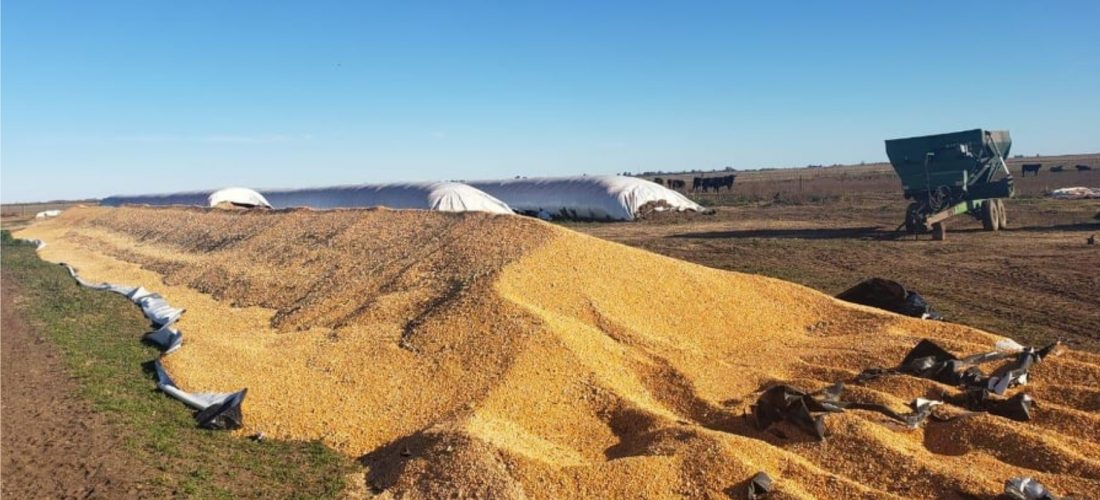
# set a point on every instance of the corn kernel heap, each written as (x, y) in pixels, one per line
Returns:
(499, 355)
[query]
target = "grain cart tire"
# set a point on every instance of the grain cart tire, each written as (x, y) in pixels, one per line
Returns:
(939, 231)
(1003, 221)
(990, 219)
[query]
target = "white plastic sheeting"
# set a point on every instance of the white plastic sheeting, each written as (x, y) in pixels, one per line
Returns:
(242, 197)
(194, 198)
(606, 197)
(442, 196)
(206, 198)
(45, 214)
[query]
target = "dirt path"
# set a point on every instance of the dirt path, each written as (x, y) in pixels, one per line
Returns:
(53, 443)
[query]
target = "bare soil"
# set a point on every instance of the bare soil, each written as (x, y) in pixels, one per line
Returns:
(54, 444)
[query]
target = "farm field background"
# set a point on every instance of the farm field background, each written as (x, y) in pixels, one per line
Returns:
(1037, 280)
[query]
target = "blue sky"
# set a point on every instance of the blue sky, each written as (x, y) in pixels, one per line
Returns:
(111, 97)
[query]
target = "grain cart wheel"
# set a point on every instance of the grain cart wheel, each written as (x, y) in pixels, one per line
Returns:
(990, 219)
(1003, 212)
(939, 231)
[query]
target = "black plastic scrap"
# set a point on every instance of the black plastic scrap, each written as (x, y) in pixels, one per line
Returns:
(1017, 407)
(891, 296)
(929, 360)
(760, 485)
(1026, 488)
(807, 410)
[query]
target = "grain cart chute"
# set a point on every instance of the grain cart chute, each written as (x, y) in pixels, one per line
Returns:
(950, 174)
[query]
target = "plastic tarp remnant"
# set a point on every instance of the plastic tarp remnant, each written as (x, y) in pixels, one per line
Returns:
(214, 410)
(441, 196)
(1026, 488)
(45, 214)
(759, 486)
(606, 197)
(806, 411)
(982, 393)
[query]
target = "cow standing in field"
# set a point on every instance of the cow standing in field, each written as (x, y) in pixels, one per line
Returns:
(1082, 168)
(677, 183)
(659, 180)
(1031, 167)
(726, 181)
(717, 183)
(1058, 169)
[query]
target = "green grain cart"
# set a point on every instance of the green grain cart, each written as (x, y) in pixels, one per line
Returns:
(950, 174)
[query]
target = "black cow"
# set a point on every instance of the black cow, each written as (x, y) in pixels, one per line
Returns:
(1059, 168)
(677, 183)
(1082, 168)
(659, 180)
(725, 181)
(1031, 167)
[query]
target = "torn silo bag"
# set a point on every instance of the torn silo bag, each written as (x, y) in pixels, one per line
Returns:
(214, 410)
(890, 296)
(225, 415)
(1017, 407)
(760, 485)
(785, 403)
(155, 307)
(806, 410)
(165, 337)
(1016, 373)
(928, 360)
(1026, 488)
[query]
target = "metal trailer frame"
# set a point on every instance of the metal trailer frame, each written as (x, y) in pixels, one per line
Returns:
(953, 174)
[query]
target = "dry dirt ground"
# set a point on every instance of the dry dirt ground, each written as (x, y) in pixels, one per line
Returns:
(1037, 281)
(54, 444)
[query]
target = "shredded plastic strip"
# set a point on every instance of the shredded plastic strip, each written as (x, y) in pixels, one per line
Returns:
(214, 410)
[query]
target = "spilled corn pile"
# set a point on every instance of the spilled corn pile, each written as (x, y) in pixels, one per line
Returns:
(501, 356)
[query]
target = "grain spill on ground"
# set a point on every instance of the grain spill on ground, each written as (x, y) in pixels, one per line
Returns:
(502, 356)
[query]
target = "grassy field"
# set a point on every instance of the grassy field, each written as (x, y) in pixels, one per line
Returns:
(99, 336)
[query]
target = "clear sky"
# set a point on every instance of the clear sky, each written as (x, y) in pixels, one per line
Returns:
(106, 97)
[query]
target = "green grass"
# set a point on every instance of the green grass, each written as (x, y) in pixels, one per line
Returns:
(99, 335)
